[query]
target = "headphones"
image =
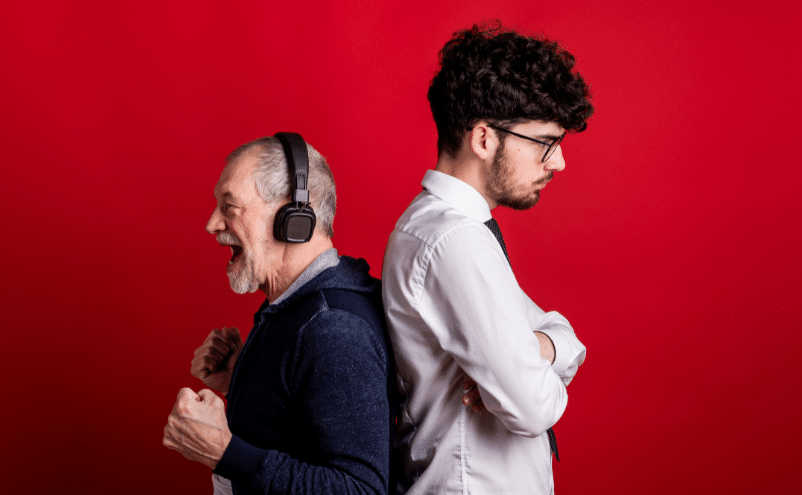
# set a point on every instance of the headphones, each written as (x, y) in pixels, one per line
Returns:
(295, 221)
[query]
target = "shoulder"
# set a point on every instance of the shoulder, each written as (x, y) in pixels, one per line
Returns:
(430, 221)
(431, 242)
(346, 316)
(445, 232)
(342, 336)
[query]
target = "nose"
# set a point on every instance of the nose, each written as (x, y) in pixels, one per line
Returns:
(556, 162)
(215, 223)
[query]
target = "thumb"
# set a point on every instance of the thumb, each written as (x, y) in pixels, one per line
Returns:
(206, 395)
(186, 394)
(233, 335)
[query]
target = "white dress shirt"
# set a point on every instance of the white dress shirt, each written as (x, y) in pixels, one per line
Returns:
(454, 308)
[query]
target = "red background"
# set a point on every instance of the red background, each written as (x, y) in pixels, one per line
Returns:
(671, 241)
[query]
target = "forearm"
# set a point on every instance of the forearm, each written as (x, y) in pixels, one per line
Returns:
(503, 357)
(260, 471)
(477, 313)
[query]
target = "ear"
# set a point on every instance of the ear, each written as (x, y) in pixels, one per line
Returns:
(482, 141)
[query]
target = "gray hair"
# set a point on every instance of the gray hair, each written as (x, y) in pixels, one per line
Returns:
(273, 183)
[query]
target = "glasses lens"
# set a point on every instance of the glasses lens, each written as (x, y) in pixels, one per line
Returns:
(552, 148)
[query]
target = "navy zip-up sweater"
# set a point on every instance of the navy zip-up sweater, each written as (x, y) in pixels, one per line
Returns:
(311, 402)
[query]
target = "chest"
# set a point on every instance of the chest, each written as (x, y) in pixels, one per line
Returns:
(262, 408)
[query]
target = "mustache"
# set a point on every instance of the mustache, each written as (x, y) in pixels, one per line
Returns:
(229, 239)
(546, 179)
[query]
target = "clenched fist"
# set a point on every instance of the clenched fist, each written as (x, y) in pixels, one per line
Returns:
(197, 427)
(214, 360)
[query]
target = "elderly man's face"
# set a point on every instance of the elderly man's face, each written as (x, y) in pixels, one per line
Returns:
(244, 222)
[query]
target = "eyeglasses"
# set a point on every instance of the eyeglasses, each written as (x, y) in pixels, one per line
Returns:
(550, 147)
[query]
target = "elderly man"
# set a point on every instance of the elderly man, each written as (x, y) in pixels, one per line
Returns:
(310, 391)
(502, 103)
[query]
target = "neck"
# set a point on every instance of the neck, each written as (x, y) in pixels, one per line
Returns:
(295, 259)
(469, 169)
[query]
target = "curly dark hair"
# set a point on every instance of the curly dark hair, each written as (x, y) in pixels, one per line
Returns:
(506, 78)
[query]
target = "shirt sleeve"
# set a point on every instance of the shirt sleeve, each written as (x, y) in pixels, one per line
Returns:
(480, 316)
(569, 352)
(339, 380)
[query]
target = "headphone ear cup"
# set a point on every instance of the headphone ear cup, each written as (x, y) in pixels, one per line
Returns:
(295, 223)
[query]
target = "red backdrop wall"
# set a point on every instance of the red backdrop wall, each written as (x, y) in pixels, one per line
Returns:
(671, 240)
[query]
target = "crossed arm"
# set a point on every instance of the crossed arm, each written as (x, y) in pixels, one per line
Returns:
(520, 357)
(472, 397)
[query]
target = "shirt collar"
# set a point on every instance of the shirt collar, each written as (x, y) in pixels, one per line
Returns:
(459, 194)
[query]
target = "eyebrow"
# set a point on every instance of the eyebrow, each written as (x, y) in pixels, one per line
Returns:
(227, 195)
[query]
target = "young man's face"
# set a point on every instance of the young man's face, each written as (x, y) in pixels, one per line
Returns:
(518, 172)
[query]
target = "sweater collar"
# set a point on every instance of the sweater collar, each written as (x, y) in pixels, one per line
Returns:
(324, 261)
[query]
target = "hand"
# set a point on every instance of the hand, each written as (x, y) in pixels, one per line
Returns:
(197, 427)
(546, 347)
(214, 360)
(471, 397)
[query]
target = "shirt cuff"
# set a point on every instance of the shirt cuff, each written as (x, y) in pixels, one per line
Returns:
(562, 350)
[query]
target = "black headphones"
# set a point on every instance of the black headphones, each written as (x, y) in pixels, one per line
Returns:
(295, 221)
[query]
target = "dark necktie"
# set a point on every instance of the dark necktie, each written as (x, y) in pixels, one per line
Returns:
(493, 226)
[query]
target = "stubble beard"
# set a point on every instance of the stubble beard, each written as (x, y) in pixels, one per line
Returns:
(499, 185)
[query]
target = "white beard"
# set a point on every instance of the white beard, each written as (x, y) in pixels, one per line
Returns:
(243, 279)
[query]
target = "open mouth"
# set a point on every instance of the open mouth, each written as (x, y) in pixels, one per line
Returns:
(236, 252)
(227, 239)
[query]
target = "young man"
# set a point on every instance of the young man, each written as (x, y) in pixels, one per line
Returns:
(310, 391)
(458, 320)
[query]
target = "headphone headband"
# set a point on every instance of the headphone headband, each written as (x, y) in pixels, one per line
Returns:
(298, 162)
